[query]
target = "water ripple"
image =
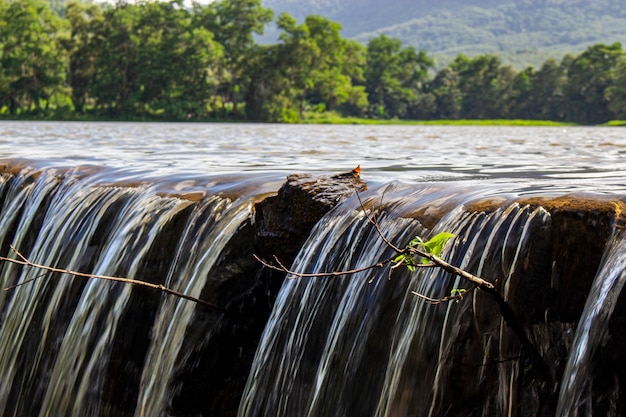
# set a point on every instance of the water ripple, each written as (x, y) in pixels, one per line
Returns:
(576, 157)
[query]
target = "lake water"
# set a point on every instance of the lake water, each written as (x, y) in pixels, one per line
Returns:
(524, 158)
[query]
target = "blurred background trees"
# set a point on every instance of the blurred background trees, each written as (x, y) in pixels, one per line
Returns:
(171, 61)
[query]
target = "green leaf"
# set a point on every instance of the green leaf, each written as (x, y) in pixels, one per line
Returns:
(407, 260)
(436, 244)
(416, 242)
(400, 258)
(433, 246)
(457, 291)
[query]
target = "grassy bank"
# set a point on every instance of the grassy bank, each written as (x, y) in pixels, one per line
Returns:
(331, 118)
(309, 118)
(615, 123)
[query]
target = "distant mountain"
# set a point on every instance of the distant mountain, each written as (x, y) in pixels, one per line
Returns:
(521, 32)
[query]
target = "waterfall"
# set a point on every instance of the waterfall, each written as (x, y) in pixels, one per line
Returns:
(198, 251)
(365, 345)
(73, 347)
(577, 391)
(357, 344)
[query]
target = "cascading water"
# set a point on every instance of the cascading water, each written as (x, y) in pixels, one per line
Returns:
(200, 247)
(359, 345)
(577, 396)
(364, 345)
(66, 344)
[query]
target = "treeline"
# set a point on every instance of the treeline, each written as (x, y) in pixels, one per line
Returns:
(166, 61)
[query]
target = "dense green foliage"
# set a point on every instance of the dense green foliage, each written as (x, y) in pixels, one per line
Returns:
(521, 32)
(165, 61)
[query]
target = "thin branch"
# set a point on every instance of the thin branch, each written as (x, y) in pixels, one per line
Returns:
(19, 284)
(18, 253)
(284, 269)
(499, 361)
(374, 223)
(446, 299)
(452, 269)
(22, 260)
(436, 301)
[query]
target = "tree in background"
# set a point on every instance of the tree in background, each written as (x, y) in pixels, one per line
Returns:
(176, 58)
(318, 63)
(394, 76)
(486, 87)
(539, 94)
(441, 98)
(522, 94)
(590, 76)
(312, 65)
(83, 20)
(616, 94)
(233, 24)
(114, 85)
(268, 96)
(32, 60)
(150, 59)
(353, 99)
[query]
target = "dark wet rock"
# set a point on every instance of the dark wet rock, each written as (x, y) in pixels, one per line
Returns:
(283, 222)
(564, 255)
(213, 381)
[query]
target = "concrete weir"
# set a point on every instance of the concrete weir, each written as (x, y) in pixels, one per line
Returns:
(203, 238)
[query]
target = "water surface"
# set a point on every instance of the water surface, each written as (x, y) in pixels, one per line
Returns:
(530, 158)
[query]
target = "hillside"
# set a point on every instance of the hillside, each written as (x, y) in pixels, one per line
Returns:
(521, 32)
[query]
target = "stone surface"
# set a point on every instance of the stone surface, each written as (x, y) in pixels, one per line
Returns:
(213, 385)
(548, 293)
(283, 222)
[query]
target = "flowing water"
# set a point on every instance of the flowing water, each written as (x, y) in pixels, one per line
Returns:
(364, 344)
(121, 198)
(576, 395)
(547, 157)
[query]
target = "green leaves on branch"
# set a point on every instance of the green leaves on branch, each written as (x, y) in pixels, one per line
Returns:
(457, 292)
(407, 260)
(434, 246)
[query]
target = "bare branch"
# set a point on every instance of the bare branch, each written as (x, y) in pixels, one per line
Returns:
(24, 261)
(458, 297)
(452, 269)
(374, 223)
(12, 287)
(18, 253)
(283, 268)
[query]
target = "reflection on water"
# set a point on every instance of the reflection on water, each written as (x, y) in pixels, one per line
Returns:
(573, 158)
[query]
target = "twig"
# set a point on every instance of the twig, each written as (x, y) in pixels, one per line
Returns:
(482, 284)
(26, 262)
(19, 284)
(283, 268)
(446, 299)
(499, 361)
(374, 223)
